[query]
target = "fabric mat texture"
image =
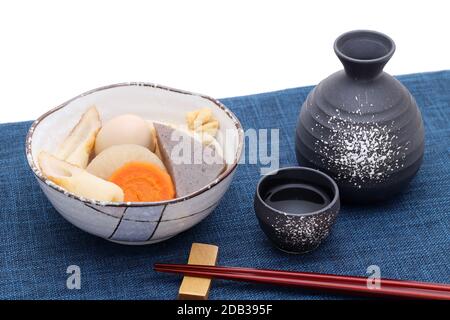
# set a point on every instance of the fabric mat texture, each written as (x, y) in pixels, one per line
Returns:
(407, 237)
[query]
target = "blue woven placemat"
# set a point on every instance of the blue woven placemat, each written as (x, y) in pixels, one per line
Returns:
(408, 237)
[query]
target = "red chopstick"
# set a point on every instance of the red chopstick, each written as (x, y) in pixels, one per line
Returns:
(348, 284)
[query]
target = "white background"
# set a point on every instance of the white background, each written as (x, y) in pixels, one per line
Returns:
(51, 51)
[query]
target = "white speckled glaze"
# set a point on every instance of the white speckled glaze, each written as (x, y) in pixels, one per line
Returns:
(141, 222)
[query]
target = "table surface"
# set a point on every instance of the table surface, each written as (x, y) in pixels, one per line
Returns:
(407, 237)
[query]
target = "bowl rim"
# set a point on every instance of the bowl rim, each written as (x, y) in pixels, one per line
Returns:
(299, 168)
(230, 168)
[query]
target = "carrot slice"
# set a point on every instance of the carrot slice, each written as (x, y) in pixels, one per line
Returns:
(143, 182)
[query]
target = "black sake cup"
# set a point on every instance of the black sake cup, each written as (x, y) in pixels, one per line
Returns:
(296, 226)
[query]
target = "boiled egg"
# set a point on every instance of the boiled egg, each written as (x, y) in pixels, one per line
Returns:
(124, 129)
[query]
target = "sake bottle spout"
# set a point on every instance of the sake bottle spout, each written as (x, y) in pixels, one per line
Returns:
(364, 53)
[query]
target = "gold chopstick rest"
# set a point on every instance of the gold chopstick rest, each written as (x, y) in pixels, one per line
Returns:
(196, 288)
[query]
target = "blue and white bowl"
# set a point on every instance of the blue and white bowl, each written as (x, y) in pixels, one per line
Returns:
(139, 222)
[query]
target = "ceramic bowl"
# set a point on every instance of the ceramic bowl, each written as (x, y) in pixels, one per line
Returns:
(138, 222)
(290, 231)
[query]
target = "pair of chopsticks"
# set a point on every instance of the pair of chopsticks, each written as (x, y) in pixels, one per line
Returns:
(317, 281)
